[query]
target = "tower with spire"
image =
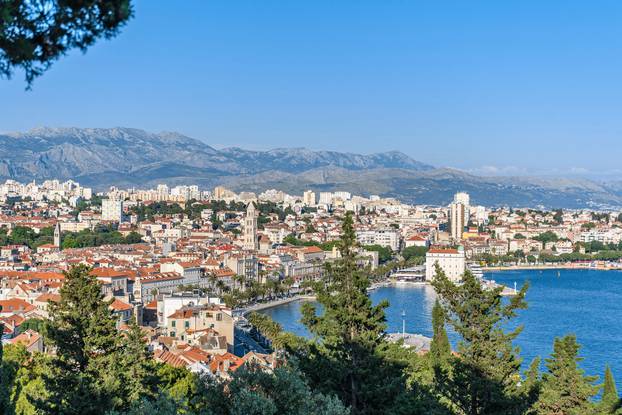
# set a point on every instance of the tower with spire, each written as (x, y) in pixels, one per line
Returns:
(250, 228)
(57, 235)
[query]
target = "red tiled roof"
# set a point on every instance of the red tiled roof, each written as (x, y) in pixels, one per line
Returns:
(443, 251)
(118, 305)
(169, 358)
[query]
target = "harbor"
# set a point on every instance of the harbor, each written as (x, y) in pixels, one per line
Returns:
(569, 303)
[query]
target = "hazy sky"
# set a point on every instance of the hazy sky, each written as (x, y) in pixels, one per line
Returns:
(496, 86)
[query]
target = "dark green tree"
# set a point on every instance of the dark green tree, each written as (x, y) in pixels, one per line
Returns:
(440, 350)
(33, 34)
(532, 382)
(137, 368)
(414, 252)
(36, 324)
(610, 401)
(384, 253)
(4, 383)
(81, 377)
(565, 387)
(350, 336)
(483, 378)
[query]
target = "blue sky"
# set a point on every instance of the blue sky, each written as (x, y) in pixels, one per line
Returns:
(499, 87)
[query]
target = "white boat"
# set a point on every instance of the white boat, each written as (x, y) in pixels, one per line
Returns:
(409, 275)
(476, 270)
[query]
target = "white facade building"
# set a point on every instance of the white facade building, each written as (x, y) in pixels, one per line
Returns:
(383, 237)
(326, 198)
(112, 210)
(308, 198)
(452, 261)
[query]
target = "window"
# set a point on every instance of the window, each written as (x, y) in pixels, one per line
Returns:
(173, 323)
(219, 317)
(186, 325)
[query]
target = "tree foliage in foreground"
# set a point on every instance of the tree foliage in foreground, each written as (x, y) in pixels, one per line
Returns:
(34, 34)
(349, 337)
(565, 388)
(484, 378)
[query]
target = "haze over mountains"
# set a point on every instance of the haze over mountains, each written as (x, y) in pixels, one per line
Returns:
(127, 157)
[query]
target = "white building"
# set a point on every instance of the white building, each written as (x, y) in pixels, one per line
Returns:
(383, 237)
(457, 219)
(169, 303)
(452, 261)
(342, 195)
(462, 197)
(326, 198)
(112, 210)
(308, 198)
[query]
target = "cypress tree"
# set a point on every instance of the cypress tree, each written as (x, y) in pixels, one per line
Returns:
(81, 378)
(483, 379)
(137, 368)
(346, 359)
(610, 401)
(440, 350)
(565, 388)
(532, 382)
(4, 385)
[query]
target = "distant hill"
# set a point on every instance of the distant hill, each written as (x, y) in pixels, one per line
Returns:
(131, 157)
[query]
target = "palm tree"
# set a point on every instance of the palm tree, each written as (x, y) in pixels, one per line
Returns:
(241, 280)
(287, 283)
(212, 280)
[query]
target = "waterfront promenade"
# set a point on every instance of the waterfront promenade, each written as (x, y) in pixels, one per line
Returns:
(270, 304)
(598, 265)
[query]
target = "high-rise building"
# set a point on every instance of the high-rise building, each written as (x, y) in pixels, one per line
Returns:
(465, 199)
(163, 192)
(221, 193)
(112, 210)
(457, 220)
(342, 195)
(250, 228)
(326, 198)
(308, 198)
(462, 197)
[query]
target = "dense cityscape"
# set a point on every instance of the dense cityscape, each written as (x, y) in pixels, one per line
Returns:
(310, 208)
(187, 267)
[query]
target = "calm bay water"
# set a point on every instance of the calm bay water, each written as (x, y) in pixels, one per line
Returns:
(587, 303)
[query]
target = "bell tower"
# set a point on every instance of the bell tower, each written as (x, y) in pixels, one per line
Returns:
(57, 235)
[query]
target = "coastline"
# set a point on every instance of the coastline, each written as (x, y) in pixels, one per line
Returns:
(598, 267)
(271, 304)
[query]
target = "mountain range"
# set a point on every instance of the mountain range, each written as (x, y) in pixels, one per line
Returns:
(126, 157)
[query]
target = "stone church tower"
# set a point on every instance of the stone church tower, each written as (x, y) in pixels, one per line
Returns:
(250, 228)
(57, 235)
